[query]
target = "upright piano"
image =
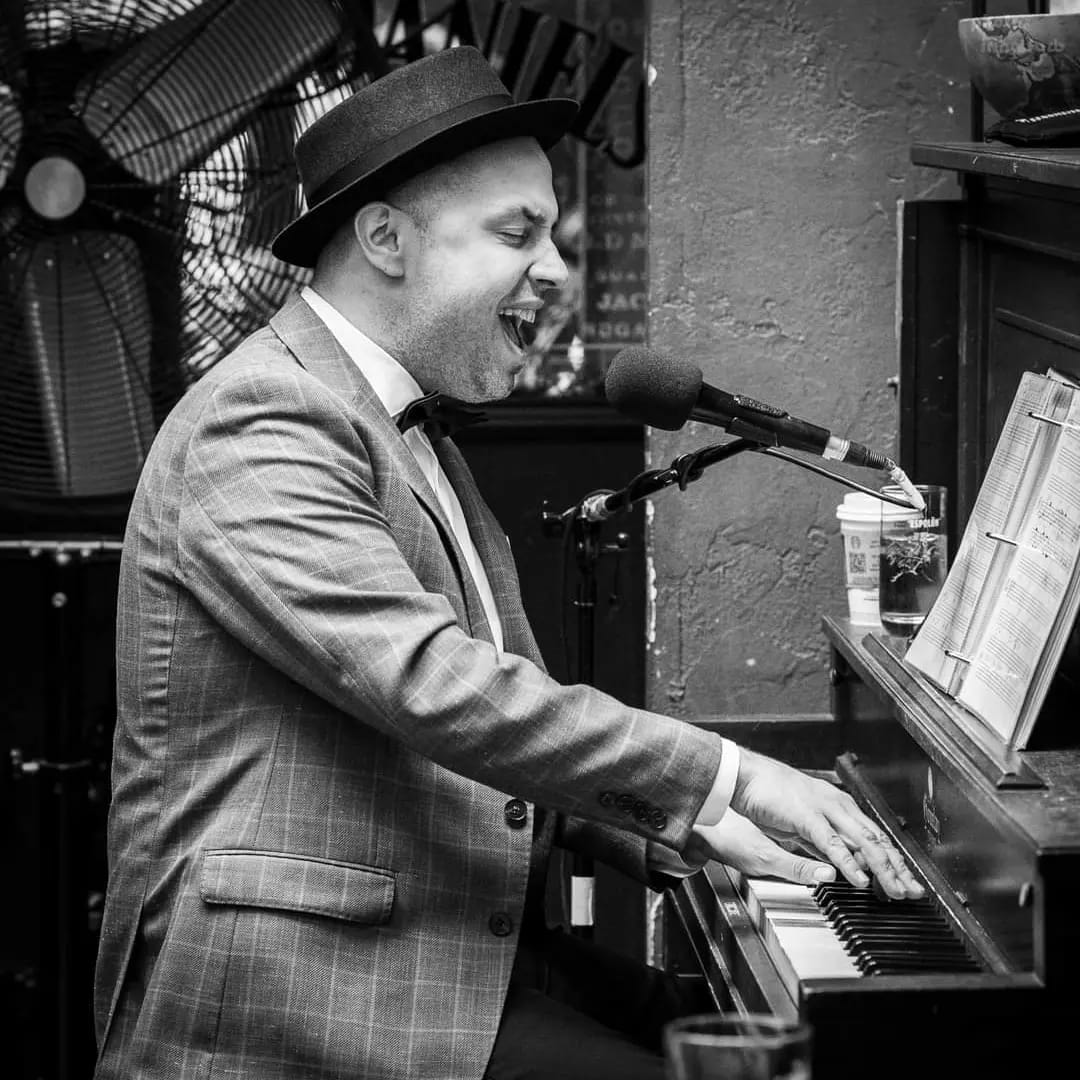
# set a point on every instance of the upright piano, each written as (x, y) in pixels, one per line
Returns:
(981, 979)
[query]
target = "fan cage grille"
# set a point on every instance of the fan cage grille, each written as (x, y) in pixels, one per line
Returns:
(109, 314)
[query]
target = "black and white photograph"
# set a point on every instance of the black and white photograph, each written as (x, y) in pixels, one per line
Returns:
(540, 539)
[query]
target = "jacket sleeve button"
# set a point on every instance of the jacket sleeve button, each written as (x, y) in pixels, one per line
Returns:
(607, 798)
(500, 924)
(516, 813)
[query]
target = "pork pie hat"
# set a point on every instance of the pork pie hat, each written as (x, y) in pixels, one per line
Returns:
(399, 126)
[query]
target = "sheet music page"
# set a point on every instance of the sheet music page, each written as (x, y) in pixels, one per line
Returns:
(1000, 685)
(982, 562)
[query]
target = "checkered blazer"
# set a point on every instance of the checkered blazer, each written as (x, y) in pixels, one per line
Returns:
(313, 870)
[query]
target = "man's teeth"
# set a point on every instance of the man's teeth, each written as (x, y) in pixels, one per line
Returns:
(513, 319)
(521, 314)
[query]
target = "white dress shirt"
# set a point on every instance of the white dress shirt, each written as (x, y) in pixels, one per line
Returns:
(395, 388)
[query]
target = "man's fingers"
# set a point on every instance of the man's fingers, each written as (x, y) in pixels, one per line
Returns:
(910, 889)
(834, 848)
(873, 852)
(884, 861)
(827, 820)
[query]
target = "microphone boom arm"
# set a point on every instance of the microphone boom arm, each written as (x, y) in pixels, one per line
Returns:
(686, 468)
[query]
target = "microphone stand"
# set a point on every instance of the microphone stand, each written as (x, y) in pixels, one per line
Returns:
(581, 524)
(584, 532)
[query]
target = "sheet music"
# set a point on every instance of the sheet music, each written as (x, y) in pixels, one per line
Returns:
(1008, 613)
(948, 626)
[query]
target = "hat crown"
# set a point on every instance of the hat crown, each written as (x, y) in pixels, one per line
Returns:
(388, 108)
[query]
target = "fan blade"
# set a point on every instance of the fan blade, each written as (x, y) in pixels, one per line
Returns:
(87, 320)
(274, 200)
(11, 127)
(164, 104)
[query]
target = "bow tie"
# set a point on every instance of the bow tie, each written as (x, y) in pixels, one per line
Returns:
(439, 415)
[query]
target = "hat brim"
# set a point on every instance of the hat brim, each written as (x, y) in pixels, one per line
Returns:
(300, 242)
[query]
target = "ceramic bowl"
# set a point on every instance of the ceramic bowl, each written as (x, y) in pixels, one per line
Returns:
(1024, 65)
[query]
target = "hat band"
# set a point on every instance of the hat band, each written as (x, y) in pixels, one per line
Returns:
(405, 140)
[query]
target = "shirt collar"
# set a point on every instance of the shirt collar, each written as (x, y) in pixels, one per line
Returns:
(392, 384)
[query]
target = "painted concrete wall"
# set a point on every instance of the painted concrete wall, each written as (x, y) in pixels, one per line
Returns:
(779, 147)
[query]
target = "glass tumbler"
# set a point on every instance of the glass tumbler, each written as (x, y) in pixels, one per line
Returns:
(912, 559)
(733, 1046)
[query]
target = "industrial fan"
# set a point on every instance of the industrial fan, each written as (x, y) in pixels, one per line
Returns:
(145, 167)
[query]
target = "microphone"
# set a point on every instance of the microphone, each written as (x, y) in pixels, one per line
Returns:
(665, 392)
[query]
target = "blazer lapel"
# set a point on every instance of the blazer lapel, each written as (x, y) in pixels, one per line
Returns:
(319, 352)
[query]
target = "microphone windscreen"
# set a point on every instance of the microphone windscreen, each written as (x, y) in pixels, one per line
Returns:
(657, 390)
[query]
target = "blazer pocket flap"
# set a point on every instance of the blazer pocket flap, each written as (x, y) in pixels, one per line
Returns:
(269, 879)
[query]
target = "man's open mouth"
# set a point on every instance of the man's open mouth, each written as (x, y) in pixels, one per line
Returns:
(517, 324)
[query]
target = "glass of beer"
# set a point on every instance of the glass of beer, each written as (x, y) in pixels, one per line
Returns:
(913, 559)
(737, 1046)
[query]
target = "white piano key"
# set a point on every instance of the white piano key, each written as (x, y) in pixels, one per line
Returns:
(802, 943)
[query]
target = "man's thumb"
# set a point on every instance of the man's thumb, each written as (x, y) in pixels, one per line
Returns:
(806, 871)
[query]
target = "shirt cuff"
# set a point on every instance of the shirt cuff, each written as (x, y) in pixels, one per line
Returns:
(662, 860)
(719, 799)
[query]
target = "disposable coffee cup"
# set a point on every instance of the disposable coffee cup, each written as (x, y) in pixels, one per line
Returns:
(860, 527)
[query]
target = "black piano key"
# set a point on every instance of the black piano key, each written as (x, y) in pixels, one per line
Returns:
(871, 918)
(844, 890)
(887, 936)
(870, 903)
(902, 965)
(900, 934)
(893, 930)
(914, 926)
(870, 939)
(885, 949)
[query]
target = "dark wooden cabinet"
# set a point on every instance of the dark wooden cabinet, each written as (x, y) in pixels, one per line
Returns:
(57, 711)
(991, 284)
(1017, 261)
(528, 458)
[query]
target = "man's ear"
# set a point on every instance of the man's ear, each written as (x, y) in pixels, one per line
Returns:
(377, 229)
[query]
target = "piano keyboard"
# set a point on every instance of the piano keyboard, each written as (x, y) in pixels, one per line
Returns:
(836, 931)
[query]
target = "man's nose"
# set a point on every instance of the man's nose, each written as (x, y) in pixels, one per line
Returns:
(549, 271)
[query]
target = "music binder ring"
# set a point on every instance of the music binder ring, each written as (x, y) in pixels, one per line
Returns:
(1052, 420)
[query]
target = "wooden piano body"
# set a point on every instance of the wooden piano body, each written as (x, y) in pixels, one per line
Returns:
(989, 289)
(995, 836)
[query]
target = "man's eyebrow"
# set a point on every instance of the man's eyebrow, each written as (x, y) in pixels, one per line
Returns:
(538, 217)
(533, 216)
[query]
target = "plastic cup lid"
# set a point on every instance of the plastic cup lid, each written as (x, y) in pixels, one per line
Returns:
(858, 506)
